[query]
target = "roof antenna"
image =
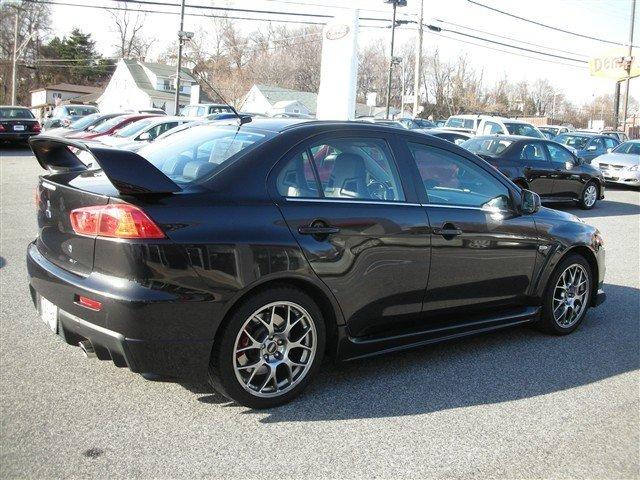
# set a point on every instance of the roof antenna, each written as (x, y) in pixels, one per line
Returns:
(242, 119)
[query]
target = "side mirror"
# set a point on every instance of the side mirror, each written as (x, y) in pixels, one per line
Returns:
(569, 165)
(591, 148)
(530, 202)
(144, 137)
(609, 150)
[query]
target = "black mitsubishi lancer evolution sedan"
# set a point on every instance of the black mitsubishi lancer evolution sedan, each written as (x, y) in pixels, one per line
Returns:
(246, 254)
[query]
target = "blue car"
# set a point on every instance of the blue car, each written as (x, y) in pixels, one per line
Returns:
(587, 146)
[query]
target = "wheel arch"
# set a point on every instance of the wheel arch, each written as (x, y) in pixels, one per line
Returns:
(331, 312)
(588, 254)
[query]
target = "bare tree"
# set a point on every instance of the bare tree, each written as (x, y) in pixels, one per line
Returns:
(128, 24)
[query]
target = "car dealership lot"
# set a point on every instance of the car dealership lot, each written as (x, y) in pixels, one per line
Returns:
(514, 403)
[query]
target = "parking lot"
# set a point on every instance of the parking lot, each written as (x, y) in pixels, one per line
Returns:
(511, 404)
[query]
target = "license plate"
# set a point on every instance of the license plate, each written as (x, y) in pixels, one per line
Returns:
(18, 128)
(49, 314)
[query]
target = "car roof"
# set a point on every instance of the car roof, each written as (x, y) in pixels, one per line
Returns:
(583, 134)
(13, 106)
(513, 138)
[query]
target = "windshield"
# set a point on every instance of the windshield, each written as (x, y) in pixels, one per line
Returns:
(576, 141)
(457, 122)
(84, 122)
(487, 145)
(103, 127)
(11, 113)
(133, 128)
(195, 153)
(553, 131)
(81, 110)
(523, 129)
(628, 148)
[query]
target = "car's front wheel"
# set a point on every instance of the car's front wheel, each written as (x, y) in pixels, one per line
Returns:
(589, 196)
(269, 349)
(568, 296)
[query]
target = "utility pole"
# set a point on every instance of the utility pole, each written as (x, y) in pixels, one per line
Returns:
(14, 68)
(616, 106)
(396, 4)
(628, 66)
(181, 35)
(418, 62)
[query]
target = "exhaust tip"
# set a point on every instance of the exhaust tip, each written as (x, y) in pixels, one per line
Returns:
(87, 349)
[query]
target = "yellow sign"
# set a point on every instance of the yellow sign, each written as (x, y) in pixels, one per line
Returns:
(612, 64)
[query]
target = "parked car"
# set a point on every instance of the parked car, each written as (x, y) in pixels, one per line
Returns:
(83, 124)
(507, 126)
(543, 166)
(620, 136)
(185, 266)
(204, 109)
(467, 123)
(587, 146)
(453, 136)
(17, 124)
(440, 123)
(110, 126)
(65, 115)
(548, 135)
(143, 131)
(554, 130)
(622, 164)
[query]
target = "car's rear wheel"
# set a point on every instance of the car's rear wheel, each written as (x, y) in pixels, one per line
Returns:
(589, 196)
(269, 349)
(568, 296)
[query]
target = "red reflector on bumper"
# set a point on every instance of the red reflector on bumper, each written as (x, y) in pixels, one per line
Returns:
(89, 303)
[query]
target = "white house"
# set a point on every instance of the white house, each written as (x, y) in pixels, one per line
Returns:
(138, 85)
(47, 98)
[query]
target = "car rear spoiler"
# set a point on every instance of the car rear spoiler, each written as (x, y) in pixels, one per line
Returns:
(130, 173)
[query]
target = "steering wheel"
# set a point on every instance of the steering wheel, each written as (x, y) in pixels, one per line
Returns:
(379, 190)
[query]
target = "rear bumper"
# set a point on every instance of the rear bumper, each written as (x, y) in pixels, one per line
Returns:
(16, 136)
(143, 329)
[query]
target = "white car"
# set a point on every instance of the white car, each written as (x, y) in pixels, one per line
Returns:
(201, 110)
(622, 164)
(143, 131)
(489, 125)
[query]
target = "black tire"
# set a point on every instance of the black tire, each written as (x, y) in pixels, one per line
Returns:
(222, 375)
(584, 202)
(547, 321)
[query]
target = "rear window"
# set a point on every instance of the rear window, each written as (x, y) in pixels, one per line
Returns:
(576, 141)
(11, 113)
(487, 146)
(457, 122)
(523, 129)
(196, 153)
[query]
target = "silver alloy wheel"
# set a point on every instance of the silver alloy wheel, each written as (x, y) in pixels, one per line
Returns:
(590, 195)
(274, 349)
(570, 295)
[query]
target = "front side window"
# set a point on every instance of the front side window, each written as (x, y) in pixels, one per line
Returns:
(450, 179)
(491, 128)
(559, 154)
(610, 143)
(532, 151)
(355, 169)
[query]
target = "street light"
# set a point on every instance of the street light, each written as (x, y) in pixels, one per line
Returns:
(396, 4)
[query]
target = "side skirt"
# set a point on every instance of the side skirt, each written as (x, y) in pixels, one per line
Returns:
(353, 348)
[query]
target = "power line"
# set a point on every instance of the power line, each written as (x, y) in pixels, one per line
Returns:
(438, 29)
(506, 51)
(510, 38)
(545, 25)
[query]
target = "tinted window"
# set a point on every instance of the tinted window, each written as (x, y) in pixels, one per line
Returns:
(487, 146)
(559, 154)
(357, 169)
(532, 151)
(297, 178)
(450, 179)
(576, 141)
(598, 143)
(9, 113)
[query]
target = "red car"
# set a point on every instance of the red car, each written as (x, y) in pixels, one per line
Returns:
(109, 127)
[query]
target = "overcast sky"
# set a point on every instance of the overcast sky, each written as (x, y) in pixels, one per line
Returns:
(607, 19)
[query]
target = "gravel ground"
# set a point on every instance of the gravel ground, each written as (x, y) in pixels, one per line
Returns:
(512, 404)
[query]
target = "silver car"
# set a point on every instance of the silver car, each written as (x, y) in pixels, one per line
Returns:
(622, 164)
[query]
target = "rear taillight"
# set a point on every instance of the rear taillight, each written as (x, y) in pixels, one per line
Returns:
(2, 129)
(36, 127)
(119, 221)
(89, 303)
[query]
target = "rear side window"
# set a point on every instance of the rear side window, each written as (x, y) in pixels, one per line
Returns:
(450, 179)
(357, 169)
(532, 151)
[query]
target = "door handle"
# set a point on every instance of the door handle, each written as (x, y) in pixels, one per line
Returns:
(317, 230)
(448, 231)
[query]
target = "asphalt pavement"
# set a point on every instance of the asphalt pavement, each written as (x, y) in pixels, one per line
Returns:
(512, 404)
